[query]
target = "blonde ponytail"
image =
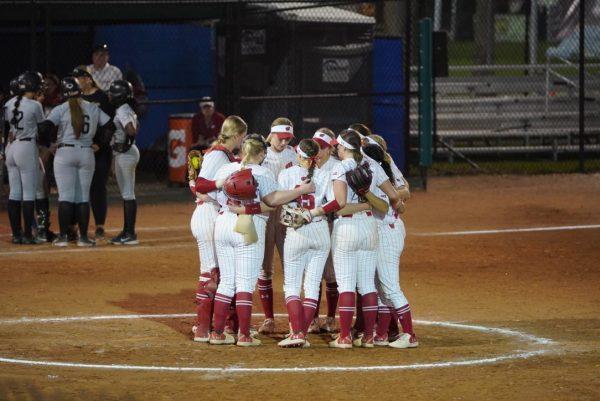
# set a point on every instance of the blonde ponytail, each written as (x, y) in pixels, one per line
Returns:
(232, 127)
(250, 149)
(76, 116)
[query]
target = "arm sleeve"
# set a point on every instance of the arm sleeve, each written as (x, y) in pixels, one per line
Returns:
(55, 114)
(126, 116)
(338, 173)
(39, 113)
(379, 175)
(212, 164)
(103, 118)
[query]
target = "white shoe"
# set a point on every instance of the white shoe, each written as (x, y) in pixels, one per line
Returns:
(221, 339)
(405, 341)
(381, 341)
(357, 339)
(341, 343)
(267, 327)
(250, 341)
(293, 341)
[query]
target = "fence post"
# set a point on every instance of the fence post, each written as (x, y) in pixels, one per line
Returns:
(581, 85)
(425, 96)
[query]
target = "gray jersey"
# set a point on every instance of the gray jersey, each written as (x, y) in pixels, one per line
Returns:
(92, 117)
(28, 115)
(123, 116)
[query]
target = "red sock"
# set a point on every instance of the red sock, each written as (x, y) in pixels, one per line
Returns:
(346, 308)
(394, 330)
(295, 313)
(221, 308)
(383, 321)
(265, 290)
(369, 308)
(232, 320)
(316, 315)
(405, 319)
(359, 323)
(332, 295)
(203, 307)
(310, 305)
(243, 307)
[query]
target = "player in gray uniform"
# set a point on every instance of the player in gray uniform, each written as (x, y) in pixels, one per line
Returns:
(126, 156)
(23, 114)
(77, 121)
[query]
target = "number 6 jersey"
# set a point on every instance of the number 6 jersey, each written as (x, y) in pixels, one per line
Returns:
(92, 117)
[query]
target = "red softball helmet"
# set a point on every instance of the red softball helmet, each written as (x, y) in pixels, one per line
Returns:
(241, 185)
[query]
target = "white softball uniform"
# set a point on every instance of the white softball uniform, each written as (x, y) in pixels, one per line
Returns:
(125, 163)
(239, 263)
(205, 215)
(275, 235)
(354, 240)
(306, 248)
(22, 154)
(74, 161)
(391, 232)
(329, 272)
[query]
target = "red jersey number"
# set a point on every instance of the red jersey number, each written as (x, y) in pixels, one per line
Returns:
(306, 201)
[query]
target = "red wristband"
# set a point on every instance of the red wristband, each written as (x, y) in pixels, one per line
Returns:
(252, 208)
(205, 186)
(331, 207)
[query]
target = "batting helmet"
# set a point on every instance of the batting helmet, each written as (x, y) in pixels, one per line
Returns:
(70, 87)
(120, 91)
(241, 185)
(14, 87)
(30, 81)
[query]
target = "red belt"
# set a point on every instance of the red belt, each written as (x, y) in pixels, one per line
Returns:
(350, 215)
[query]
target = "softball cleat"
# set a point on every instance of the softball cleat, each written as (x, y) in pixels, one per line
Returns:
(221, 339)
(293, 341)
(247, 341)
(381, 341)
(405, 341)
(268, 327)
(61, 241)
(345, 342)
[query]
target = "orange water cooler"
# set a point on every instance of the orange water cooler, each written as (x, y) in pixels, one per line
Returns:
(179, 143)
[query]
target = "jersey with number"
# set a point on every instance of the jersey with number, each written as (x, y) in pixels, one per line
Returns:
(339, 174)
(92, 117)
(26, 117)
(123, 116)
(295, 176)
(211, 164)
(277, 161)
(263, 176)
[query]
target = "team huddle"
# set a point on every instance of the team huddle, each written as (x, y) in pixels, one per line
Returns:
(81, 137)
(330, 206)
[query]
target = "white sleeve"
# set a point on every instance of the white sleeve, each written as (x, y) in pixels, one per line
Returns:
(125, 116)
(379, 175)
(39, 113)
(55, 115)
(338, 173)
(212, 164)
(282, 180)
(103, 118)
(398, 177)
(266, 184)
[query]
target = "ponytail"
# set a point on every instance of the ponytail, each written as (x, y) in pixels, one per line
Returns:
(15, 111)
(232, 127)
(311, 149)
(76, 116)
(251, 148)
(377, 153)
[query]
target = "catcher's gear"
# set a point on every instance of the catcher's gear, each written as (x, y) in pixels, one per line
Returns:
(194, 161)
(294, 217)
(360, 179)
(70, 87)
(240, 186)
(120, 91)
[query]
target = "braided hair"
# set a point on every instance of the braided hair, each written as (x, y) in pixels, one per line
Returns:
(311, 149)
(15, 111)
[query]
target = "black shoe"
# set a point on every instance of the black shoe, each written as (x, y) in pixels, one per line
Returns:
(118, 240)
(85, 242)
(130, 239)
(17, 239)
(32, 241)
(99, 233)
(50, 236)
(61, 240)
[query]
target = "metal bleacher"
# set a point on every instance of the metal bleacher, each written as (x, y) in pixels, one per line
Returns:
(487, 115)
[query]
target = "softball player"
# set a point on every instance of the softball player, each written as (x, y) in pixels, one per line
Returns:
(126, 156)
(77, 121)
(354, 240)
(23, 114)
(305, 248)
(279, 157)
(391, 243)
(326, 160)
(205, 215)
(240, 262)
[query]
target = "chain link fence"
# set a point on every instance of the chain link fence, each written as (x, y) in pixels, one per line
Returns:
(510, 100)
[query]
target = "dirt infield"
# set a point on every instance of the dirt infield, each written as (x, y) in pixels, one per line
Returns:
(535, 284)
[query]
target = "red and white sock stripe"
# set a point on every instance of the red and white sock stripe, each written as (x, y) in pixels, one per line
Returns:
(223, 298)
(292, 298)
(243, 302)
(403, 309)
(310, 303)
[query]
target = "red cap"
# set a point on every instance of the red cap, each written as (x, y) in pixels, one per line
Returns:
(324, 140)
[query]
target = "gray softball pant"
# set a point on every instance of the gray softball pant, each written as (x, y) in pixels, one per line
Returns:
(22, 165)
(73, 170)
(125, 164)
